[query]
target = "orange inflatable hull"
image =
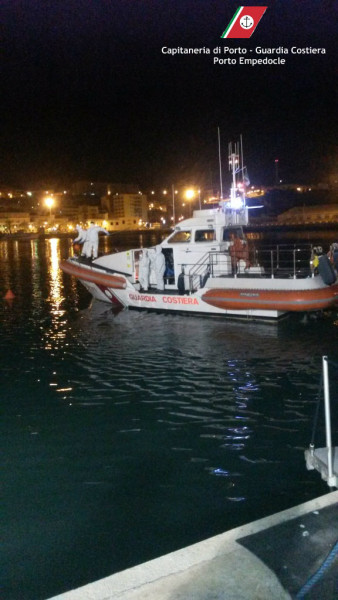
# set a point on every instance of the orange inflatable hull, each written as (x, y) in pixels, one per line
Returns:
(104, 279)
(286, 300)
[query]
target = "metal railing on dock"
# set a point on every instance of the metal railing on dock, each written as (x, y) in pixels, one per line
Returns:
(324, 460)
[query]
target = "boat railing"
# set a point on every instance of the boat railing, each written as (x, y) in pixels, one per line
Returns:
(281, 261)
(284, 260)
(199, 272)
(220, 263)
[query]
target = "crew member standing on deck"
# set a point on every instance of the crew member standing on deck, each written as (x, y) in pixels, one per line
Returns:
(144, 270)
(317, 251)
(333, 255)
(159, 268)
(81, 239)
(238, 251)
(93, 239)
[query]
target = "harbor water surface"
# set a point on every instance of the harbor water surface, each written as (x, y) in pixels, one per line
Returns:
(129, 435)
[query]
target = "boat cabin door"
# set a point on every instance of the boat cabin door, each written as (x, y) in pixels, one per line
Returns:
(191, 247)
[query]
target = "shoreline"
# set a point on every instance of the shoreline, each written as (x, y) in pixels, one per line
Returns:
(254, 231)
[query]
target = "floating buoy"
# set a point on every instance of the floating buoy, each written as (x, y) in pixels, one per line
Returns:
(9, 295)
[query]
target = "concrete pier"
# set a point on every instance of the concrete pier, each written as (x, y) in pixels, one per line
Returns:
(269, 559)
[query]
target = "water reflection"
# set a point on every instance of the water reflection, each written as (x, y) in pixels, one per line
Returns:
(35, 276)
(225, 389)
(4, 273)
(54, 272)
(143, 416)
(57, 331)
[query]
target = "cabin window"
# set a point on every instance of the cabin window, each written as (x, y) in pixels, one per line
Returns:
(180, 237)
(229, 231)
(204, 235)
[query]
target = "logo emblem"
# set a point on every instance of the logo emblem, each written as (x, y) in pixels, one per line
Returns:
(244, 22)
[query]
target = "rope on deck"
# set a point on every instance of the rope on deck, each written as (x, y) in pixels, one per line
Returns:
(318, 574)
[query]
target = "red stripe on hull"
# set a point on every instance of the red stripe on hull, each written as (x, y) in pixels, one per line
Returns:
(299, 300)
(101, 279)
(110, 296)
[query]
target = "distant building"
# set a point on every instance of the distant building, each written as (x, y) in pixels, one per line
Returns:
(322, 213)
(157, 213)
(126, 210)
(12, 222)
(89, 213)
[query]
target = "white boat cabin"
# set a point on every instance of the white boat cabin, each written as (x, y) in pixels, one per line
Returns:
(189, 249)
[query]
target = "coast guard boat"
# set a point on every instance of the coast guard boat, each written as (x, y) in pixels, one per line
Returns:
(210, 269)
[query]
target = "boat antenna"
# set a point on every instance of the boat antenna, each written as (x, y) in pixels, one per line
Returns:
(173, 198)
(241, 141)
(220, 163)
(233, 151)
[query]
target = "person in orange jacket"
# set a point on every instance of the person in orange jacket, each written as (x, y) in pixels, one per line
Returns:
(238, 251)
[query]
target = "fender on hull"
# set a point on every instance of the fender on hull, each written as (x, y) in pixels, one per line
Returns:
(291, 301)
(100, 279)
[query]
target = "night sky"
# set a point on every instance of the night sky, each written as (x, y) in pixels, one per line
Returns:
(88, 93)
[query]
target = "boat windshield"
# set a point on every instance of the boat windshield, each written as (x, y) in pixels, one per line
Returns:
(180, 237)
(205, 235)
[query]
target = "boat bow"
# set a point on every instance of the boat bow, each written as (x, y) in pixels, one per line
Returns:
(89, 273)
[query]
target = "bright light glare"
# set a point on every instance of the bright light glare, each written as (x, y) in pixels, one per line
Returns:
(189, 194)
(236, 203)
(49, 202)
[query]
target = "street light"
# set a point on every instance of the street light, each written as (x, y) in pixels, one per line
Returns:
(189, 195)
(173, 193)
(49, 202)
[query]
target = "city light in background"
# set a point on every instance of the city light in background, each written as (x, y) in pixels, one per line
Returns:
(25, 211)
(49, 202)
(190, 194)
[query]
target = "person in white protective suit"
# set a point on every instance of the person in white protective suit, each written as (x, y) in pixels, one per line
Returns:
(159, 268)
(81, 239)
(92, 239)
(144, 270)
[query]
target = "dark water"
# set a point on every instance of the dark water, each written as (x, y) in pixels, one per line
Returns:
(131, 435)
